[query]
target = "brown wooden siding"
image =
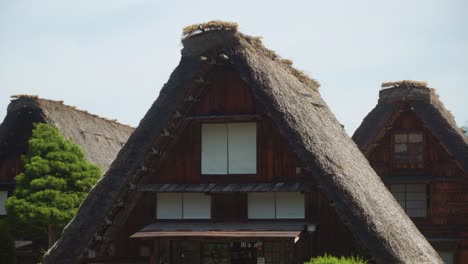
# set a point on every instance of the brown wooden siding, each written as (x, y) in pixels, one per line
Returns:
(448, 199)
(228, 95)
(229, 207)
(141, 215)
(9, 169)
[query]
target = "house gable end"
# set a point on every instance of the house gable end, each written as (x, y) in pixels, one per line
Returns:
(437, 160)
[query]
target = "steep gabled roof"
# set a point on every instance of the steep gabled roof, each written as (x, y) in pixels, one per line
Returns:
(100, 138)
(292, 100)
(425, 103)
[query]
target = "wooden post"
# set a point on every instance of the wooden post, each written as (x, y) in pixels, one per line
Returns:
(52, 234)
(156, 250)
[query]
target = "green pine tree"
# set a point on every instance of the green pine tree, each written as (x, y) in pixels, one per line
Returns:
(55, 181)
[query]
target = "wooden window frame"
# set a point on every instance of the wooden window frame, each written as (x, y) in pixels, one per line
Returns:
(277, 217)
(427, 199)
(183, 218)
(402, 165)
(255, 119)
(453, 252)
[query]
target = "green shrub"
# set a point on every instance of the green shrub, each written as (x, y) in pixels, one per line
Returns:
(334, 260)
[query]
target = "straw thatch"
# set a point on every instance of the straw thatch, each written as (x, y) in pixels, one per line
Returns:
(293, 102)
(425, 103)
(100, 138)
(403, 83)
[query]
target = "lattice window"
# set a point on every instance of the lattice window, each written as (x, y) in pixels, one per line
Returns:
(408, 150)
(411, 197)
(447, 256)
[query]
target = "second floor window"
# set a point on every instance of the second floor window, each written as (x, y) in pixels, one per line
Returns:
(183, 206)
(411, 197)
(229, 148)
(275, 205)
(408, 150)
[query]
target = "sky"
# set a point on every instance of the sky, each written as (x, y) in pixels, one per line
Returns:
(111, 57)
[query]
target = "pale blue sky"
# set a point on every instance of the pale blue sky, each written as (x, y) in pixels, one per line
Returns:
(112, 57)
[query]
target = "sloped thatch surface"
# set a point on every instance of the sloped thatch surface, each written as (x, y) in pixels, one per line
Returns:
(293, 102)
(100, 138)
(425, 103)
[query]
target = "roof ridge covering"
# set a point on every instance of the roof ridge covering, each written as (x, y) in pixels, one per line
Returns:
(189, 40)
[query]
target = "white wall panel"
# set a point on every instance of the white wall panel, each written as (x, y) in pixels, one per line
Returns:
(3, 198)
(261, 205)
(169, 206)
(242, 147)
(290, 205)
(197, 206)
(214, 149)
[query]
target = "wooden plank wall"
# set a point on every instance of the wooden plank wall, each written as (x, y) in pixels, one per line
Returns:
(10, 158)
(229, 95)
(448, 210)
(9, 168)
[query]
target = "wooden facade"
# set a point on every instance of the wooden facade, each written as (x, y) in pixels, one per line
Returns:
(444, 219)
(228, 99)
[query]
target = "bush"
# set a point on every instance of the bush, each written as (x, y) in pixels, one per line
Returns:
(334, 260)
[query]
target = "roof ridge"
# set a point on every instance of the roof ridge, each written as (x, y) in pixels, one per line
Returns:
(406, 83)
(195, 30)
(214, 25)
(36, 97)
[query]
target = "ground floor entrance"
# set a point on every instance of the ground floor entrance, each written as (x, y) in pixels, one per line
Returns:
(208, 251)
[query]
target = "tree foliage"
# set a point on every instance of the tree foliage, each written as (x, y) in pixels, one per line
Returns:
(55, 181)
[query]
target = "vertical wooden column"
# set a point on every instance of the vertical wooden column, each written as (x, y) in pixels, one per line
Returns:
(155, 251)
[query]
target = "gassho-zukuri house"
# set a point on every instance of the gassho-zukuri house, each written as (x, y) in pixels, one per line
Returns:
(414, 144)
(99, 138)
(239, 160)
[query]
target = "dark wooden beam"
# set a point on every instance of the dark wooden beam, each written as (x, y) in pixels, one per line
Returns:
(224, 117)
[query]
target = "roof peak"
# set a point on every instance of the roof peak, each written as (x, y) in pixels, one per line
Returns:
(218, 35)
(405, 90)
(214, 25)
(404, 84)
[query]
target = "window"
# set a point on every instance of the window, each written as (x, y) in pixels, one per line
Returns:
(3, 198)
(447, 256)
(276, 205)
(183, 206)
(408, 150)
(411, 197)
(144, 250)
(229, 148)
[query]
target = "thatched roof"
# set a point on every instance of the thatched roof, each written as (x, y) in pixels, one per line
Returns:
(293, 102)
(425, 103)
(100, 138)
